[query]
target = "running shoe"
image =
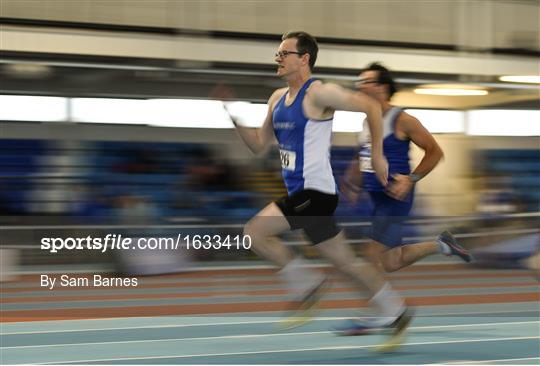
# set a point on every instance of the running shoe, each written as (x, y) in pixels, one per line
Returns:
(359, 326)
(396, 329)
(304, 310)
(455, 249)
(397, 332)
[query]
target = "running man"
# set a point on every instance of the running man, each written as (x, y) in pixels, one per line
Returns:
(393, 203)
(300, 119)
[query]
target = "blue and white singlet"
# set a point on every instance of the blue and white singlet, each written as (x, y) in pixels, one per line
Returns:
(395, 150)
(304, 146)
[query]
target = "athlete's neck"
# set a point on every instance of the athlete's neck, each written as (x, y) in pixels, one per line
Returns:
(386, 106)
(296, 83)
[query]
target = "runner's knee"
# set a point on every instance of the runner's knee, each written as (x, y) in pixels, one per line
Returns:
(391, 263)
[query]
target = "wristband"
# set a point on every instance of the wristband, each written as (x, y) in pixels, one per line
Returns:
(414, 177)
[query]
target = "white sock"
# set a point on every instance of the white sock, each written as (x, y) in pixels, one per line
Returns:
(389, 302)
(299, 278)
(443, 247)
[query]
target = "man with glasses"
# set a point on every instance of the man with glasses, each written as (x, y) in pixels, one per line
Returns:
(393, 203)
(300, 119)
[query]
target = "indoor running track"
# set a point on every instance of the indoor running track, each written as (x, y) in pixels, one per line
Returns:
(231, 316)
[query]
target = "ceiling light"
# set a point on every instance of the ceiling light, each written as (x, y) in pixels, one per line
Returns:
(450, 91)
(28, 70)
(533, 79)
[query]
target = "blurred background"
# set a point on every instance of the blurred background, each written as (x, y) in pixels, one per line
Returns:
(108, 125)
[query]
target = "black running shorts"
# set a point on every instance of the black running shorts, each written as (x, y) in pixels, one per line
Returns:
(312, 211)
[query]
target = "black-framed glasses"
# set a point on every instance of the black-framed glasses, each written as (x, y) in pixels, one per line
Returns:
(364, 81)
(282, 54)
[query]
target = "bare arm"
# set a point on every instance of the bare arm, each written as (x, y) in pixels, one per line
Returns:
(351, 181)
(335, 97)
(424, 140)
(258, 140)
(414, 130)
(353, 175)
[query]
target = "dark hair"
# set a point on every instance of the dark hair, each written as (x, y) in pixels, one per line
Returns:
(384, 77)
(305, 43)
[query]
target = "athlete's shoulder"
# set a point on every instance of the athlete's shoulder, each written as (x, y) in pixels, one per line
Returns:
(323, 92)
(316, 83)
(406, 117)
(278, 93)
(276, 96)
(408, 122)
(316, 86)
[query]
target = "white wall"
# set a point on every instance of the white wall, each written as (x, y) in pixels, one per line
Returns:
(473, 23)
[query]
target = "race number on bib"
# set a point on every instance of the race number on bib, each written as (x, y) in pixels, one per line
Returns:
(365, 164)
(288, 159)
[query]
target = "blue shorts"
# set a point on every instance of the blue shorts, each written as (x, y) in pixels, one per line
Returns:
(387, 218)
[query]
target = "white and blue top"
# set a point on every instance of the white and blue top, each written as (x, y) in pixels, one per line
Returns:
(304, 146)
(395, 150)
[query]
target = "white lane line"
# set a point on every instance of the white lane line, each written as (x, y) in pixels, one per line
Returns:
(490, 361)
(191, 285)
(457, 314)
(334, 348)
(240, 336)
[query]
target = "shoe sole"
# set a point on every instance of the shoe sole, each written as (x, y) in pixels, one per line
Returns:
(397, 339)
(391, 344)
(461, 252)
(356, 333)
(297, 321)
(456, 249)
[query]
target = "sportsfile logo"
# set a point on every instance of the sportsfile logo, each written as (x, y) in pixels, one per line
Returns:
(120, 242)
(110, 241)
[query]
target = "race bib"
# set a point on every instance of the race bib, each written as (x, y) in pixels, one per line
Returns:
(365, 164)
(365, 159)
(288, 159)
